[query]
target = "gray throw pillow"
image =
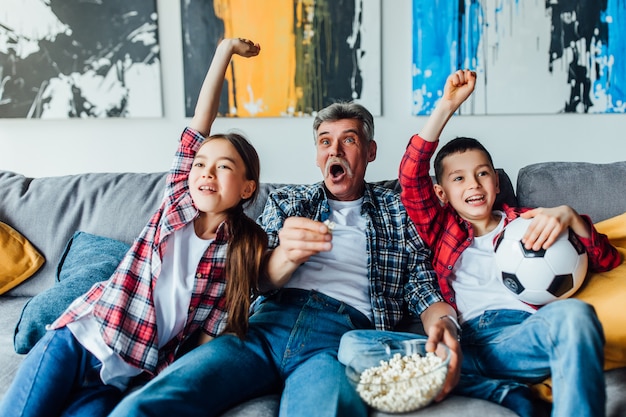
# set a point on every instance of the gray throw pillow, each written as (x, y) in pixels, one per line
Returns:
(86, 260)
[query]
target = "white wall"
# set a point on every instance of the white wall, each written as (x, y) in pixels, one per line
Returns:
(49, 148)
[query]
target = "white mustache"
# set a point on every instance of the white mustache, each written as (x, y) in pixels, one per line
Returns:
(336, 160)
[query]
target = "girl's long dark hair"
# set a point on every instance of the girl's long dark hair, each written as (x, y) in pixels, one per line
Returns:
(247, 245)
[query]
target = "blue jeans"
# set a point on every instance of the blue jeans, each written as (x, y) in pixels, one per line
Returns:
(503, 350)
(59, 377)
(291, 344)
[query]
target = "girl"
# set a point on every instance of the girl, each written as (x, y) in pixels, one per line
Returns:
(192, 269)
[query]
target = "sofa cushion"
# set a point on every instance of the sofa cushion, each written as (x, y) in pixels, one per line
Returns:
(10, 308)
(86, 260)
(90, 257)
(19, 257)
(50, 209)
(507, 193)
(594, 189)
(606, 291)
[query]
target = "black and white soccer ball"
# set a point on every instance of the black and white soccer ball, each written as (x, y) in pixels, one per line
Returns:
(540, 277)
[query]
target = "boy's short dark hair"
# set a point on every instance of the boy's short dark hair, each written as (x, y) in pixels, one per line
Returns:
(458, 145)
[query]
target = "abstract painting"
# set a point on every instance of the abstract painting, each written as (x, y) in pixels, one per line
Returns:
(313, 53)
(531, 56)
(64, 59)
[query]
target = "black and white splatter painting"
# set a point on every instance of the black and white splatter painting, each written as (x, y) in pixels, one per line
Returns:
(64, 59)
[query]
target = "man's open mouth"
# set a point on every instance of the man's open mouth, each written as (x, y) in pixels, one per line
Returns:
(336, 168)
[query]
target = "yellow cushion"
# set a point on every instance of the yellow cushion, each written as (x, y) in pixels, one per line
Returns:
(18, 258)
(606, 292)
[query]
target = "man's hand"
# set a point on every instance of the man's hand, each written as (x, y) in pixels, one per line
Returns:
(300, 238)
(441, 329)
(444, 331)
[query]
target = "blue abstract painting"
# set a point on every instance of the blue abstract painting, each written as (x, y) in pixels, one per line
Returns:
(531, 56)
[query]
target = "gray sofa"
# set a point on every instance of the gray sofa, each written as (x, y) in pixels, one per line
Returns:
(47, 211)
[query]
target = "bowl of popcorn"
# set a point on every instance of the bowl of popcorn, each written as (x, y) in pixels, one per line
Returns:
(400, 376)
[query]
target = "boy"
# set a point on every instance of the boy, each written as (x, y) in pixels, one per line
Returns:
(506, 343)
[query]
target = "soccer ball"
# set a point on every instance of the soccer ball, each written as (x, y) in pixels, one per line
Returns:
(539, 277)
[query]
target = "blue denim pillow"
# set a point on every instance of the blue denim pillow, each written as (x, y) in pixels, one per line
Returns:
(86, 260)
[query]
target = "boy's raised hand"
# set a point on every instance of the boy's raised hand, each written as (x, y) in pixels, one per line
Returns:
(459, 86)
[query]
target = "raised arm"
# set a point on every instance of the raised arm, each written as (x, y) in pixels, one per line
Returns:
(458, 88)
(209, 97)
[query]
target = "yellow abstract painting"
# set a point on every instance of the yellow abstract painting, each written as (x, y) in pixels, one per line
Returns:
(313, 53)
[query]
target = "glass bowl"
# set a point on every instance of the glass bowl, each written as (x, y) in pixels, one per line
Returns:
(400, 376)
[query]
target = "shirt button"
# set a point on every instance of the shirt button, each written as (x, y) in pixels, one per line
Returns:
(198, 275)
(449, 267)
(191, 308)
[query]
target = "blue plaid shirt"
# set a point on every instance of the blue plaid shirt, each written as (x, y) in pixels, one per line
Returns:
(400, 272)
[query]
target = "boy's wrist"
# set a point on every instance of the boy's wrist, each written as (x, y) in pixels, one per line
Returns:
(445, 109)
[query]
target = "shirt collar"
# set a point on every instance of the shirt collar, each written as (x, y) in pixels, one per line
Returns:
(369, 201)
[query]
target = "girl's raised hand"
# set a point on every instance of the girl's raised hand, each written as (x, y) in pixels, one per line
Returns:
(245, 47)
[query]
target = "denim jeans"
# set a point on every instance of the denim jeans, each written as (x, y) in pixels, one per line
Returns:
(505, 349)
(59, 377)
(291, 344)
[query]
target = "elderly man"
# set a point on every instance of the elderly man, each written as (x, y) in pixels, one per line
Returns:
(344, 256)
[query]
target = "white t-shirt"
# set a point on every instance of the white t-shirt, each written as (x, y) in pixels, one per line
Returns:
(477, 283)
(172, 295)
(341, 273)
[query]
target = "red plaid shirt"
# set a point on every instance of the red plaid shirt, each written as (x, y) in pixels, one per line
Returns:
(448, 235)
(124, 304)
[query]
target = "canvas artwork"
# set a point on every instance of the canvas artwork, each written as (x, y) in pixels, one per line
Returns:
(64, 59)
(313, 53)
(531, 56)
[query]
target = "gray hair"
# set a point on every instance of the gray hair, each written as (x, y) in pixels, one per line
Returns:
(346, 110)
